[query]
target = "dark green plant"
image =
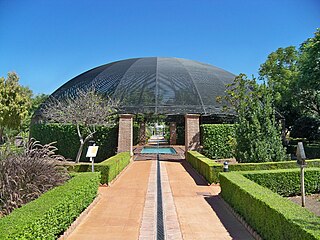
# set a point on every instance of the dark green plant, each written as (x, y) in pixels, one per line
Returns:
(271, 215)
(306, 127)
(258, 137)
(52, 213)
(218, 140)
(68, 142)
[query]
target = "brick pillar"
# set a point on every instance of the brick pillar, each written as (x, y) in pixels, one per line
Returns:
(192, 132)
(173, 133)
(142, 133)
(125, 137)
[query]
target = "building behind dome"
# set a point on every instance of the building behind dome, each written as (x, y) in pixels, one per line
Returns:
(171, 86)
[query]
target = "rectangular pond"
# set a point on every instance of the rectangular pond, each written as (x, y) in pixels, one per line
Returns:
(160, 150)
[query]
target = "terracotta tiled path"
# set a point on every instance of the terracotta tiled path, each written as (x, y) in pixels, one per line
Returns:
(191, 208)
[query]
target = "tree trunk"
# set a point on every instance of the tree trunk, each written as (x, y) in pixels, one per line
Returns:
(1, 133)
(79, 152)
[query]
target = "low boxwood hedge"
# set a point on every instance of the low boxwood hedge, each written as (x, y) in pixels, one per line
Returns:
(287, 182)
(271, 215)
(109, 168)
(210, 169)
(51, 214)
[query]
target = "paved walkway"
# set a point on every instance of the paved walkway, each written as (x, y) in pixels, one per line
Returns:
(191, 208)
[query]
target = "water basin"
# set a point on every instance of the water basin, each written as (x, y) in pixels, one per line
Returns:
(160, 150)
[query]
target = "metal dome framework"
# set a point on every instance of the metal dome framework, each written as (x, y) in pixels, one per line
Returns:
(171, 86)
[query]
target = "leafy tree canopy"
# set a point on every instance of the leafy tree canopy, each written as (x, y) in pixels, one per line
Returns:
(15, 101)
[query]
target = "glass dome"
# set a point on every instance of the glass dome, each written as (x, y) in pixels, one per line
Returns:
(157, 85)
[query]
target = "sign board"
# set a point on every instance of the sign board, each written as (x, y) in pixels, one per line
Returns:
(301, 156)
(92, 151)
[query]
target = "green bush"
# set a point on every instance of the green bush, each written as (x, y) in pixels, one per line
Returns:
(272, 216)
(217, 140)
(312, 150)
(306, 127)
(287, 182)
(52, 213)
(180, 135)
(68, 141)
(210, 169)
(109, 168)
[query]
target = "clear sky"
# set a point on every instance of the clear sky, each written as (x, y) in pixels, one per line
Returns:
(48, 42)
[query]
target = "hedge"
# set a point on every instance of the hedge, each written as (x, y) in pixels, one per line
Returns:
(51, 214)
(109, 168)
(217, 140)
(272, 216)
(210, 169)
(287, 182)
(68, 141)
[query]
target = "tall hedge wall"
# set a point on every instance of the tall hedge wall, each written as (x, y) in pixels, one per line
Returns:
(271, 215)
(217, 140)
(68, 141)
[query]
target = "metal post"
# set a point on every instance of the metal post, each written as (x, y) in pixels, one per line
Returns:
(92, 160)
(303, 197)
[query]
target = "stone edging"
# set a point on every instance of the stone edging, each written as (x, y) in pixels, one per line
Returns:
(254, 234)
(79, 219)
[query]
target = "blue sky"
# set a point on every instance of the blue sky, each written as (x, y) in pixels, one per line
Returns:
(49, 42)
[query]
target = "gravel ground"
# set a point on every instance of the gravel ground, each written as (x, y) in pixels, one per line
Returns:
(312, 202)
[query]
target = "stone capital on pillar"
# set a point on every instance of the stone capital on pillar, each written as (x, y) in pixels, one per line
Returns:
(125, 136)
(192, 132)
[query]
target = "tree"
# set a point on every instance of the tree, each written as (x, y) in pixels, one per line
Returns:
(36, 101)
(309, 78)
(280, 71)
(86, 110)
(14, 102)
(257, 135)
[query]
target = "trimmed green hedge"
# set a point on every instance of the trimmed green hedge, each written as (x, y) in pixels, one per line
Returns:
(52, 213)
(109, 168)
(210, 169)
(271, 215)
(217, 140)
(68, 141)
(287, 182)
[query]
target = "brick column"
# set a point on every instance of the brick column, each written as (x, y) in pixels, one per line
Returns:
(125, 137)
(173, 133)
(192, 132)
(142, 133)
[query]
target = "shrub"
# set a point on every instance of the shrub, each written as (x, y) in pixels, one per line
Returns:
(68, 141)
(306, 127)
(287, 182)
(109, 168)
(25, 177)
(210, 169)
(217, 140)
(51, 214)
(271, 215)
(180, 135)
